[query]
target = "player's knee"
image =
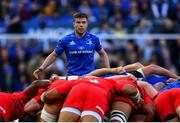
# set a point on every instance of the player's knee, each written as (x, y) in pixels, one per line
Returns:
(45, 116)
(178, 111)
(118, 116)
(91, 116)
(69, 114)
(129, 90)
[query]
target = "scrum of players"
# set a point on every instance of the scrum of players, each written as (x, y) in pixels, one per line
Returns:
(130, 93)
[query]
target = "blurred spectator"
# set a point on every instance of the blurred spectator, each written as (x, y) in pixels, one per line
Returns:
(33, 63)
(24, 14)
(133, 16)
(118, 29)
(105, 28)
(178, 13)
(164, 50)
(103, 31)
(144, 7)
(37, 22)
(13, 20)
(133, 52)
(168, 27)
(51, 7)
(5, 7)
(5, 70)
(8, 74)
(85, 7)
(144, 26)
(100, 11)
(34, 9)
(23, 76)
(117, 17)
(148, 49)
(17, 52)
(160, 8)
(155, 58)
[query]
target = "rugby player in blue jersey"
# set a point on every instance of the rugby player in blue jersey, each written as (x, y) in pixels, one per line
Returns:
(79, 48)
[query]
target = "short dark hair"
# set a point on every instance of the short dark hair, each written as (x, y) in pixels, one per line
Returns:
(80, 15)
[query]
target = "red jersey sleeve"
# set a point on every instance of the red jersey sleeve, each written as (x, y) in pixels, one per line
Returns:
(64, 88)
(38, 96)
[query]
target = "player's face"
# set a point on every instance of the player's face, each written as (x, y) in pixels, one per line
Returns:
(80, 25)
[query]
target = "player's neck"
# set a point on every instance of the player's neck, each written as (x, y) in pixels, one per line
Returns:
(79, 35)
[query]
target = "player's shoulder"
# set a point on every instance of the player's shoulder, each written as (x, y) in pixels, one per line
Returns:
(18, 94)
(68, 37)
(91, 35)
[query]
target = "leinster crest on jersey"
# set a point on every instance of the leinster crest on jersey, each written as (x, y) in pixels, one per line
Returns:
(89, 41)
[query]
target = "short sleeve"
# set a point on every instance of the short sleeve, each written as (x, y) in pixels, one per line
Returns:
(59, 47)
(98, 45)
(64, 88)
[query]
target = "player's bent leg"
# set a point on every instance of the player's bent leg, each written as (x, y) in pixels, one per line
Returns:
(50, 113)
(90, 116)
(129, 90)
(132, 92)
(120, 111)
(69, 114)
(178, 111)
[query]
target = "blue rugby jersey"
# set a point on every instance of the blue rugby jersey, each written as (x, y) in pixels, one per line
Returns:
(175, 84)
(153, 79)
(79, 52)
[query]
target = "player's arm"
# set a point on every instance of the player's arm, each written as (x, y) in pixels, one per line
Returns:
(103, 71)
(104, 58)
(155, 69)
(32, 107)
(123, 76)
(149, 89)
(172, 79)
(117, 70)
(133, 67)
(56, 77)
(150, 113)
(33, 88)
(56, 94)
(49, 60)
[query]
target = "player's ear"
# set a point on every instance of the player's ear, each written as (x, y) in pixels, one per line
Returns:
(73, 24)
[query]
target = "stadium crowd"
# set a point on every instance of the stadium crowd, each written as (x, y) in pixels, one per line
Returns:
(134, 16)
(144, 88)
(105, 16)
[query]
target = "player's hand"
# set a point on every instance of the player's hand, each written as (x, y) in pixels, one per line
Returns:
(37, 73)
(118, 70)
(54, 77)
(171, 80)
(42, 83)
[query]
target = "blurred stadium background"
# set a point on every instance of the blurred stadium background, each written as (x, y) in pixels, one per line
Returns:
(145, 31)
